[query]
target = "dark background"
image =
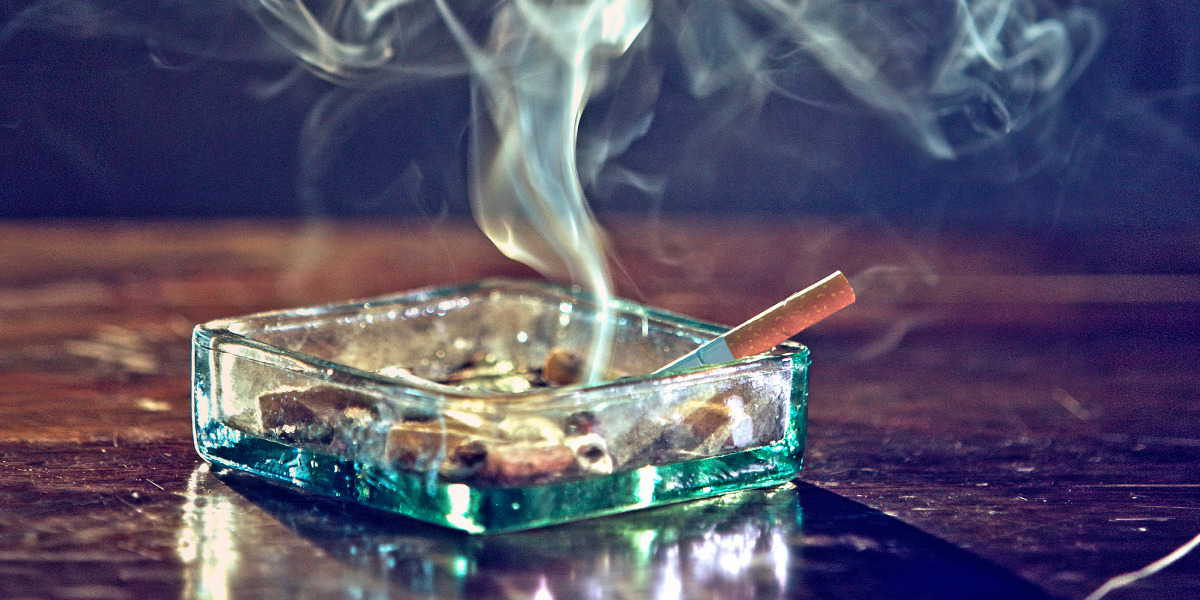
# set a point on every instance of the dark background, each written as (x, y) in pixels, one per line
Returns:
(128, 110)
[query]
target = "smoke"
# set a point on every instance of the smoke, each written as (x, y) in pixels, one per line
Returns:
(533, 79)
(953, 76)
(953, 89)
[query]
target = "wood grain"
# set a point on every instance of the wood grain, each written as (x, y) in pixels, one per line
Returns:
(1013, 410)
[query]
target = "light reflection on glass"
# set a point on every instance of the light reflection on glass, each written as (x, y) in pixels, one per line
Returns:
(543, 590)
(732, 559)
(206, 541)
(647, 477)
(670, 587)
(233, 547)
(733, 546)
(643, 543)
(779, 557)
(460, 504)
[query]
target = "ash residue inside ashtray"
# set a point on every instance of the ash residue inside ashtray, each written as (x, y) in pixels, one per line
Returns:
(520, 449)
(484, 373)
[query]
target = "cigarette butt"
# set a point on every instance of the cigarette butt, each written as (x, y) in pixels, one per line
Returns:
(563, 367)
(790, 316)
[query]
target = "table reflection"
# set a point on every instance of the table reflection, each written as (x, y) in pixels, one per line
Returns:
(207, 539)
(237, 533)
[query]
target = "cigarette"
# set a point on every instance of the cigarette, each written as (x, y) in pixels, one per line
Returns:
(774, 325)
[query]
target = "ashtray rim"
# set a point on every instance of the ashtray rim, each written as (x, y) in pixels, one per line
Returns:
(535, 399)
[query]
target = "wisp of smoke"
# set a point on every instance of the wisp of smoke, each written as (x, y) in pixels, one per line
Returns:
(955, 76)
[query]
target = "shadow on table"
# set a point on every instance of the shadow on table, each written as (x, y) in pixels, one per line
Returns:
(794, 541)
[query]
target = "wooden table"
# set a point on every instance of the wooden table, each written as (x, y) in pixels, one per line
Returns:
(1002, 414)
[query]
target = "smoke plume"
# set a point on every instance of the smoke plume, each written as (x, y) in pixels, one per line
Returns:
(953, 76)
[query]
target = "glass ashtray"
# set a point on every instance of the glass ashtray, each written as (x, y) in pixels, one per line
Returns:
(441, 405)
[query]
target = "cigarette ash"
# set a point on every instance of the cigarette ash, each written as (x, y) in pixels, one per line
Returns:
(487, 449)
